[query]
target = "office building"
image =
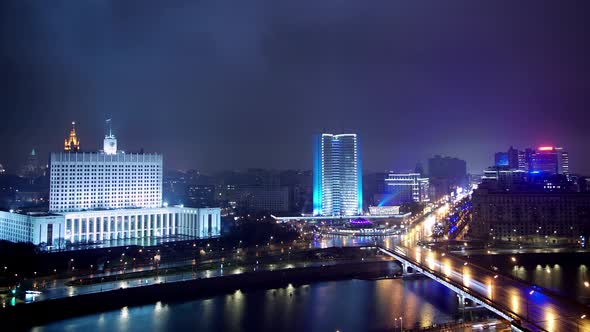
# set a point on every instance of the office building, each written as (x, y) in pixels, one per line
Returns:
(406, 188)
(32, 168)
(447, 168)
(104, 196)
(503, 178)
(299, 184)
(271, 199)
(446, 174)
(546, 159)
(501, 159)
(532, 203)
(96, 180)
(522, 161)
(530, 216)
(514, 158)
(550, 160)
(511, 159)
(200, 195)
(386, 210)
(260, 190)
(337, 177)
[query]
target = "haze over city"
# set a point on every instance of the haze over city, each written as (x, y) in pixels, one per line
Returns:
(229, 85)
(291, 166)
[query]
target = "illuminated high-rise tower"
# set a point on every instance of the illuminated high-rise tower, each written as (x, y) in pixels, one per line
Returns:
(337, 175)
(71, 143)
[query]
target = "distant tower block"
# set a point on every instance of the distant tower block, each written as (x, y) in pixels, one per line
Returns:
(71, 143)
(110, 142)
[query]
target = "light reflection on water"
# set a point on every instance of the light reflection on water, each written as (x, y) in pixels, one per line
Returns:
(567, 279)
(352, 305)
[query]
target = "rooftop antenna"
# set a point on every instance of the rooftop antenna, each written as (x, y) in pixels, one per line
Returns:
(110, 127)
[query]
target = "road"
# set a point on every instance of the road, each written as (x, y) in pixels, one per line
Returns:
(551, 314)
(59, 289)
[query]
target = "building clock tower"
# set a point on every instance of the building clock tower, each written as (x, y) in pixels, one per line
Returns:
(110, 142)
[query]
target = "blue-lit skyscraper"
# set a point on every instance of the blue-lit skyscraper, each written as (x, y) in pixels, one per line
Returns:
(337, 175)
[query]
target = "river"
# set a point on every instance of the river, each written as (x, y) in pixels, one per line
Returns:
(351, 305)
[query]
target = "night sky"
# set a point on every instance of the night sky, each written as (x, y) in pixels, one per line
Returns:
(233, 84)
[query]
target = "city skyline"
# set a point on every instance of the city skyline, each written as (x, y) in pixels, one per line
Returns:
(402, 165)
(295, 165)
(219, 91)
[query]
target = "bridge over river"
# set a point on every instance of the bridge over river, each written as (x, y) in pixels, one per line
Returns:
(526, 306)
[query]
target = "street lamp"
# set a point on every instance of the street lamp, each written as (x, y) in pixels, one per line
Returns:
(492, 287)
(578, 323)
(527, 304)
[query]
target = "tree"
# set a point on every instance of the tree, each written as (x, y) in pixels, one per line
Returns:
(60, 243)
(42, 246)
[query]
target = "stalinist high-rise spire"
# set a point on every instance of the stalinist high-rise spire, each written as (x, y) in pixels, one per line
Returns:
(71, 143)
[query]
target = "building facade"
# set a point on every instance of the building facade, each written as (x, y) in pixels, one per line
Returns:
(32, 168)
(108, 225)
(503, 178)
(200, 195)
(105, 196)
(337, 176)
(406, 188)
(530, 215)
(266, 198)
(545, 159)
(84, 181)
(549, 160)
(446, 174)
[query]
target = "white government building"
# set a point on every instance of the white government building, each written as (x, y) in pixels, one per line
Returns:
(107, 195)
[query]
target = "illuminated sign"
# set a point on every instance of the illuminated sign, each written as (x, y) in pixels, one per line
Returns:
(545, 148)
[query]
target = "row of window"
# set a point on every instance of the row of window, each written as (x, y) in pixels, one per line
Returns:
(71, 176)
(57, 166)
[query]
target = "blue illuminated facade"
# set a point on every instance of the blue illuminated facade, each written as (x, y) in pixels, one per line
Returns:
(337, 175)
(502, 159)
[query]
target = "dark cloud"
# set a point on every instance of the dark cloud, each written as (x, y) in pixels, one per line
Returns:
(232, 84)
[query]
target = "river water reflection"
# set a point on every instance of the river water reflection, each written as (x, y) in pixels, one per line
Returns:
(351, 305)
